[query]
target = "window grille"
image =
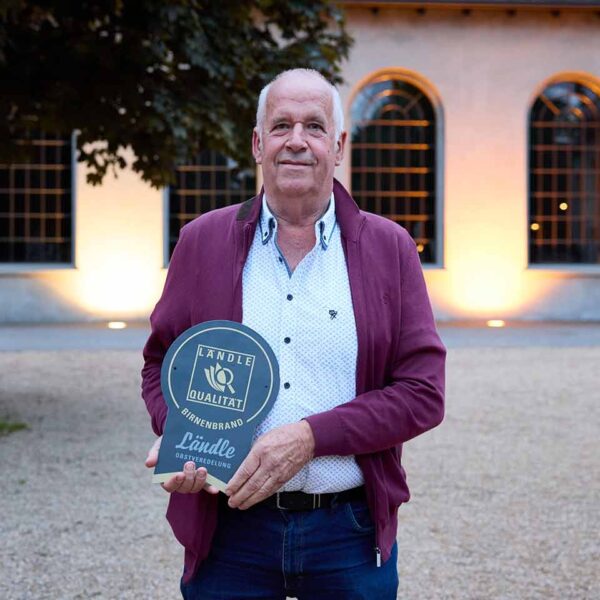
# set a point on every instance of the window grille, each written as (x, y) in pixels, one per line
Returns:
(36, 204)
(210, 181)
(564, 175)
(393, 157)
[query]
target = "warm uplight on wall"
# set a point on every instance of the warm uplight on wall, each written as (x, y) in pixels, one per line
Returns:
(117, 325)
(535, 226)
(495, 323)
(119, 282)
(563, 206)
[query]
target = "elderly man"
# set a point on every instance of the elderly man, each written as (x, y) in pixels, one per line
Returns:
(339, 294)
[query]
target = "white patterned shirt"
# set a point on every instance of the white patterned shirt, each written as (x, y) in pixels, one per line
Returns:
(307, 318)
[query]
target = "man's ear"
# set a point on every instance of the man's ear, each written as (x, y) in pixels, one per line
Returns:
(256, 146)
(340, 147)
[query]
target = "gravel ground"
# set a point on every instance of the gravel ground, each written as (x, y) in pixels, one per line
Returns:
(505, 494)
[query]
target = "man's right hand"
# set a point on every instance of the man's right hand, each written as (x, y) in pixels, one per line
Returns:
(188, 481)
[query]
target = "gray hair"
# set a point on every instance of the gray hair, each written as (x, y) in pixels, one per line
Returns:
(336, 101)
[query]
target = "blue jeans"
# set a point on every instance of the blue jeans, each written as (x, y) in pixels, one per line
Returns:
(265, 554)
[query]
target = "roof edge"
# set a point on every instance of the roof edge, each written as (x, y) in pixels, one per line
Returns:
(566, 5)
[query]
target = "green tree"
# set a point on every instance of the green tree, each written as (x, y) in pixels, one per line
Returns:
(166, 78)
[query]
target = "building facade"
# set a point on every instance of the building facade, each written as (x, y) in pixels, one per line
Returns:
(474, 125)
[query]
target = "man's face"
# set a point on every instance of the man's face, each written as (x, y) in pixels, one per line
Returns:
(298, 150)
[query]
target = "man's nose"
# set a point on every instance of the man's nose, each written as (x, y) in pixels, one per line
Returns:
(296, 140)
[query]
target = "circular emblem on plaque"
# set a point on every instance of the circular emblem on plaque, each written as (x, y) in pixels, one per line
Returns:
(223, 371)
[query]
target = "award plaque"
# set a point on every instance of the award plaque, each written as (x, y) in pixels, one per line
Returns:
(219, 379)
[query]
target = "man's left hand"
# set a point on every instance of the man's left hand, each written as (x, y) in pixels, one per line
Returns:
(273, 460)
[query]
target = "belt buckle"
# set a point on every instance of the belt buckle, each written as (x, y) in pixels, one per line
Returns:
(277, 502)
(316, 502)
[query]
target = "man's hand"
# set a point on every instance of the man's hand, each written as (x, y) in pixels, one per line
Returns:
(273, 460)
(188, 481)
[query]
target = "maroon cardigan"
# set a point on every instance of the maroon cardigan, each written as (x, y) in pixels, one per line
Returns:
(400, 363)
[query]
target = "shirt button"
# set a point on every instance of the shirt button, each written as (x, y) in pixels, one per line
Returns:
(290, 297)
(286, 385)
(280, 259)
(287, 340)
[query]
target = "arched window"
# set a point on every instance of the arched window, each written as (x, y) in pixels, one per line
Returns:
(393, 157)
(36, 204)
(210, 181)
(564, 175)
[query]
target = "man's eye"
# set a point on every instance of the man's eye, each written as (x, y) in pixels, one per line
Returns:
(315, 127)
(281, 126)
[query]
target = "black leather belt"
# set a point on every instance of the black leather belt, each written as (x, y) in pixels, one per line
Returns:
(302, 501)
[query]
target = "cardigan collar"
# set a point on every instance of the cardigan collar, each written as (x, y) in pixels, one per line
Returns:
(347, 212)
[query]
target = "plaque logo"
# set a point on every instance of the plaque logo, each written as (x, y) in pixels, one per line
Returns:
(210, 375)
(219, 378)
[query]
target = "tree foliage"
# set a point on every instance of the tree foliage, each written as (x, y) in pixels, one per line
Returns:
(166, 78)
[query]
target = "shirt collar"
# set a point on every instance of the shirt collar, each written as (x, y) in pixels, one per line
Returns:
(323, 227)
